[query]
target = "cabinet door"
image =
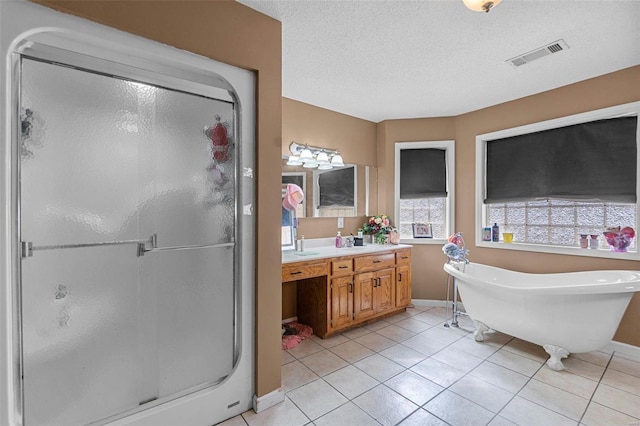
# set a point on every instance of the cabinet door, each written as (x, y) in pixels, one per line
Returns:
(403, 286)
(363, 298)
(385, 290)
(341, 301)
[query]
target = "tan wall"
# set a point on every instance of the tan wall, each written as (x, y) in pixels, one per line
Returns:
(235, 34)
(429, 280)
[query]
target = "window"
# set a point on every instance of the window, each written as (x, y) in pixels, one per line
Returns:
(424, 173)
(549, 182)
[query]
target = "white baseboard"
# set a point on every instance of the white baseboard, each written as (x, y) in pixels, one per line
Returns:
(261, 403)
(623, 348)
(288, 320)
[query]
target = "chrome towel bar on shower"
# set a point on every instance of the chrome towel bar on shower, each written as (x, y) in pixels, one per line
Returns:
(27, 247)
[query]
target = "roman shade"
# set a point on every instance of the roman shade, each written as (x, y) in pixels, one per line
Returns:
(337, 187)
(589, 161)
(423, 173)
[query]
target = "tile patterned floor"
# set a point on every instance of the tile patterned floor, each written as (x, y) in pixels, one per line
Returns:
(411, 370)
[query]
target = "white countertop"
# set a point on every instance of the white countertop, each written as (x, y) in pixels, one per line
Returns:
(328, 251)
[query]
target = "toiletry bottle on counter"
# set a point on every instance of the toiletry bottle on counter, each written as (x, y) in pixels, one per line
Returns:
(301, 243)
(339, 240)
(495, 233)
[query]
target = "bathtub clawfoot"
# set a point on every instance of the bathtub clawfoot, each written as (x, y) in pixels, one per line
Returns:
(481, 328)
(557, 353)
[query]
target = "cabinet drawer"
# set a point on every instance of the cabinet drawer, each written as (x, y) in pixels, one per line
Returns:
(342, 267)
(304, 270)
(374, 262)
(403, 257)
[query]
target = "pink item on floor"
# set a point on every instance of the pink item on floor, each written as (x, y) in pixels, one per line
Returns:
(291, 341)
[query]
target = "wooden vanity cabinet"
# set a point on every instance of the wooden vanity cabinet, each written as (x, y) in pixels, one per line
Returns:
(403, 278)
(357, 289)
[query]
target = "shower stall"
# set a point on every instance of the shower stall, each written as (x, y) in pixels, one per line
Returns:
(130, 234)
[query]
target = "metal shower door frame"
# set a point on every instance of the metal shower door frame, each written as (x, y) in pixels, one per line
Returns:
(21, 250)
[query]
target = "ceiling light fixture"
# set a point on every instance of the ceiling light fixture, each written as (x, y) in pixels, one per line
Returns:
(481, 5)
(312, 157)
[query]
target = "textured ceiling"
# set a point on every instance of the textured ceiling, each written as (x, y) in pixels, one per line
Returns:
(389, 59)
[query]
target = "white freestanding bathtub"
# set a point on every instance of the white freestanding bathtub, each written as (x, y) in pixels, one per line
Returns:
(565, 312)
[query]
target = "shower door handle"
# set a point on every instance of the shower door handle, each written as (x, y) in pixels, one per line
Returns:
(142, 250)
(27, 247)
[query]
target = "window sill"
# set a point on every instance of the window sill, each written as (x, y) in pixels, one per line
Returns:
(570, 251)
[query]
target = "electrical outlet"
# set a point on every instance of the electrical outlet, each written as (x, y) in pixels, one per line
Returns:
(341, 222)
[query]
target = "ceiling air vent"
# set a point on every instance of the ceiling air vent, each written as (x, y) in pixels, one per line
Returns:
(555, 47)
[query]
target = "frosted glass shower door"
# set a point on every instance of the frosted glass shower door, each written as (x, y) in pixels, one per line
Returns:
(128, 222)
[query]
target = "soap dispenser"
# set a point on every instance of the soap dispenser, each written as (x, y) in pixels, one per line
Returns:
(339, 240)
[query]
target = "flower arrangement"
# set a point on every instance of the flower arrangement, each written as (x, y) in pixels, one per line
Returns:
(619, 239)
(377, 225)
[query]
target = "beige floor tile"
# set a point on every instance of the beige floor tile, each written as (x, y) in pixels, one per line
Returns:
(567, 381)
(375, 342)
(482, 393)
(395, 333)
(316, 398)
(413, 325)
(398, 317)
(429, 318)
(348, 414)
(424, 344)
(595, 357)
(619, 400)
(583, 368)
(377, 325)
(457, 359)
(286, 358)
(324, 362)
(284, 414)
(331, 341)
(440, 311)
(305, 348)
(414, 387)
(422, 417)
(515, 362)
(356, 332)
(385, 405)
(379, 367)
(351, 382)
(622, 381)
(296, 374)
(562, 402)
(527, 350)
(501, 421)
(456, 410)
(526, 413)
(494, 338)
(625, 364)
(478, 349)
(234, 421)
(438, 372)
(416, 309)
(403, 355)
(502, 377)
(599, 415)
(442, 334)
(351, 351)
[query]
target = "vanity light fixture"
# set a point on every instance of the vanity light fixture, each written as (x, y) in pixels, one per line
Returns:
(481, 5)
(312, 157)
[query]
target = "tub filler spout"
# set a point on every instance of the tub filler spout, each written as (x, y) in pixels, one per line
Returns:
(565, 313)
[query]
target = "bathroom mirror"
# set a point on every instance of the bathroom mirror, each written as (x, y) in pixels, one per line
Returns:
(361, 178)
